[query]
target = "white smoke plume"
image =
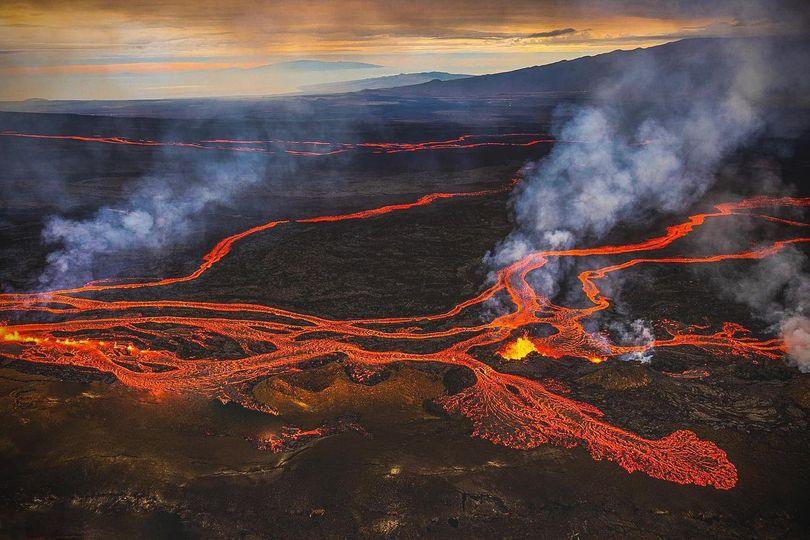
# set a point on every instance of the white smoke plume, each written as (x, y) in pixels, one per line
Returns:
(612, 172)
(160, 213)
(636, 333)
(648, 143)
(796, 333)
(777, 290)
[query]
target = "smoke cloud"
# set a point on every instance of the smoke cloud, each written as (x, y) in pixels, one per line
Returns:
(636, 333)
(796, 333)
(626, 159)
(161, 212)
(648, 144)
(777, 290)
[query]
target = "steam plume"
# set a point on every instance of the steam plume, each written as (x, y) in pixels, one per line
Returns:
(649, 143)
(159, 213)
(777, 290)
(796, 333)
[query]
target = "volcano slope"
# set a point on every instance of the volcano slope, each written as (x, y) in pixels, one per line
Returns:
(345, 366)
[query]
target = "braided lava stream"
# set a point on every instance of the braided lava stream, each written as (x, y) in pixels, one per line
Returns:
(145, 344)
(310, 148)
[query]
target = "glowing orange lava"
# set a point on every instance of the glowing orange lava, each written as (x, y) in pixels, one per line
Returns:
(518, 349)
(143, 344)
(310, 148)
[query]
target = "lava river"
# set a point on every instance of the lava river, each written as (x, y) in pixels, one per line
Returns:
(306, 148)
(144, 344)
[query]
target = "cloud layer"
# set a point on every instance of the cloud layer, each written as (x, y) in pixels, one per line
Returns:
(53, 47)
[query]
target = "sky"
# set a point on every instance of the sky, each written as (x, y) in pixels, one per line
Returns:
(148, 49)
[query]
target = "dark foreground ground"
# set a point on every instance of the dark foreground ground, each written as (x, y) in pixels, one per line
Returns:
(83, 456)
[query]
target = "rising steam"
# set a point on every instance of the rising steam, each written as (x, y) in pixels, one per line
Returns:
(161, 212)
(777, 289)
(796, 333)
(649, 143)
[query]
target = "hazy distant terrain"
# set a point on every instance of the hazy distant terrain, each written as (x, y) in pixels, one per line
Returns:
(685, 60)
(538, 87)
(377, 83)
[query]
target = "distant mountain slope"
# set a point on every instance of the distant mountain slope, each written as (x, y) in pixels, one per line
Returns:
(687, 60)
(379, 83)
(783, 67)
(315, 65)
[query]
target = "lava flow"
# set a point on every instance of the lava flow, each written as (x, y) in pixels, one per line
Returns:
(309, 148)
(163, 346)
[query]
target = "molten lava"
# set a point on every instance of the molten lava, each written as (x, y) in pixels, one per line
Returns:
(310, 148)
(144, 343)
(518, 349)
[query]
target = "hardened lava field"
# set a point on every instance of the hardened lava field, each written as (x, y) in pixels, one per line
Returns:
(335, 359)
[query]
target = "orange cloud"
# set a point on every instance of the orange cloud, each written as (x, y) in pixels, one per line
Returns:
(129, 67)
(49, 44)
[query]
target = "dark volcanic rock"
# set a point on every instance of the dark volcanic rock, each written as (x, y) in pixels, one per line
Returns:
(619, 376)
(798, 390)
(457, 379)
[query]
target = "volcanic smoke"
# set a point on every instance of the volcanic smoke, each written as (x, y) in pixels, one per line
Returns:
(646, 150)
(631, 160)
(159, 214)
(506, 409)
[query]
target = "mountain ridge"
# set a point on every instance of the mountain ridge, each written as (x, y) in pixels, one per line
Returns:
(380, 83)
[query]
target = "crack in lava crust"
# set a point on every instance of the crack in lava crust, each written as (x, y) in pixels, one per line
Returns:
(310, 148)
(143, 352)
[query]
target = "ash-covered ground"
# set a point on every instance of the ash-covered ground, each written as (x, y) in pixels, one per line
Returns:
(85, 455)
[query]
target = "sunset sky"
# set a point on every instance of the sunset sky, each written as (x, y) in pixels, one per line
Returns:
(137, 49)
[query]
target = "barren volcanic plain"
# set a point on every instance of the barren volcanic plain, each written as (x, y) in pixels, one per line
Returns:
(328, 351)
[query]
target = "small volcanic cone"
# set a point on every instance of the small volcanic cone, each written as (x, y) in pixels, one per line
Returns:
(518, 349)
